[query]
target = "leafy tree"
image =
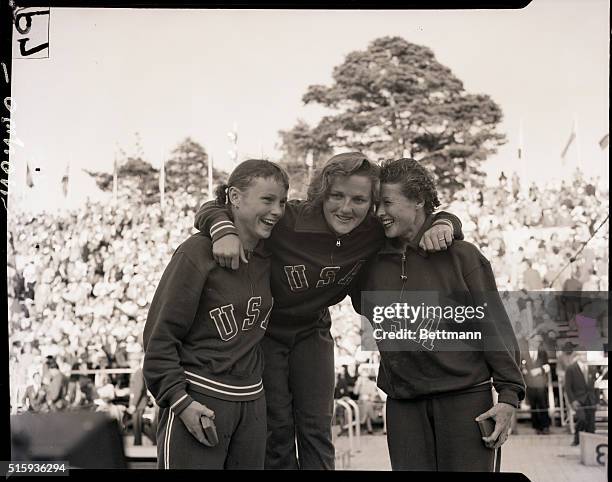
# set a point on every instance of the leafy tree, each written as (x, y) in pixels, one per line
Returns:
(396, 100)
(300, 145)
(186, 171)
(136, 177)
(302, 142)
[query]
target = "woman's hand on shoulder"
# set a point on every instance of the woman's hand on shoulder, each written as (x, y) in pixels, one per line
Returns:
(437, 238)
(228, 252)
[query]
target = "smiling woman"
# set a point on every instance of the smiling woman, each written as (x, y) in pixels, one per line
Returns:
(347, 189)
(257, 203)
(418, 411)
(409, 196)
(318, 249)
(203, 359)
(348, 203)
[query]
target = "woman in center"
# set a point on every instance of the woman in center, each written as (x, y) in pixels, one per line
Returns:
(437, 390)
(318, 248)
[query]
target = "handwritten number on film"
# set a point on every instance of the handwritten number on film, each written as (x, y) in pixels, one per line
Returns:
(24, 31)
(601, 450)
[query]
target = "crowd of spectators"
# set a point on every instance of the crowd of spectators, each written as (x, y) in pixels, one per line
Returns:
(79, 287)
(529, 233)
(80, 282)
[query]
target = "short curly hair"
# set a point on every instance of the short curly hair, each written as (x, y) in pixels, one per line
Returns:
(417, 183)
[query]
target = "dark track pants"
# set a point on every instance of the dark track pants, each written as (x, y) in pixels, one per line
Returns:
(585, 422)
(439, 433)
(299, 383)
(241, 427)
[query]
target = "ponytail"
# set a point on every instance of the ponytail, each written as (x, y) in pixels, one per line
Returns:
(221, 197)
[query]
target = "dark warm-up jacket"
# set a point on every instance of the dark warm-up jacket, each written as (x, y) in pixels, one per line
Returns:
(312, 267)
(465, 275)
(204, 327)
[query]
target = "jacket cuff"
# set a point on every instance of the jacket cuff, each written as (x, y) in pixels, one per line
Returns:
(222, 228)
(448, 222)
(510, 397)
(180, 401)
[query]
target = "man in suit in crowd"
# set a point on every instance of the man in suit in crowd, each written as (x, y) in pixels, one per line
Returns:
(57, 388)
(565, 357)
(535, 368)
(35, 396)
(571, 298)
(581, 393)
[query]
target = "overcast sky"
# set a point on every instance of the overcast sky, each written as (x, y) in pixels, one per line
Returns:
(171, 74)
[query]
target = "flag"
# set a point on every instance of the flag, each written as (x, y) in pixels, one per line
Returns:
(569, 142)
(520, 143)
(233, 137)
(29, 181)
(65, 180)
(115, 180)
(162, 184)
(605, 140)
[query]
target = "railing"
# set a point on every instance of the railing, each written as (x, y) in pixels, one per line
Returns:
(560, 409)
(356, 423)
(352, 423)
(112, 371)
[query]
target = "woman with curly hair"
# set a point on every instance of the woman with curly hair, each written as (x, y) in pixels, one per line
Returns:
(436, 392)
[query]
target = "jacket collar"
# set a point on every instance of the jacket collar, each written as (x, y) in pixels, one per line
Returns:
(262, 250)
(312, 220)
(393, 246)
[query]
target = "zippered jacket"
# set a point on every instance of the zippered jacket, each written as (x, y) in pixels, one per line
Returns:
(464, 276)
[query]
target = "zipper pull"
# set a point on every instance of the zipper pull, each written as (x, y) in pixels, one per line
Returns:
(338, 243)
(403, 275)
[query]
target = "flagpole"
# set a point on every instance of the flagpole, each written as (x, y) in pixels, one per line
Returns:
(310, 164)
(66, 182)
(29, 181)
(210, 178)
(604, 143)
(162, 184)
(521, 154)
(606, 166)
(578, 153)
(572, 138)
(115, 180)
